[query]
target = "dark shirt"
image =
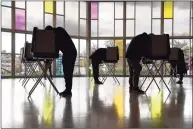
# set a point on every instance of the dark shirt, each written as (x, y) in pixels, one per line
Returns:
(63, 41)
(99, 55)
(140, 46)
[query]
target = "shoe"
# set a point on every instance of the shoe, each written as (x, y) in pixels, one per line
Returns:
(98, 82)
(66, 94)
(179, 82)
(137, 90)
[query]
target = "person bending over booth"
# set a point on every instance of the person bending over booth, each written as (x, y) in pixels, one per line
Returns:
(139, 47)
(65, 44)
(96, 58)
(181, 67)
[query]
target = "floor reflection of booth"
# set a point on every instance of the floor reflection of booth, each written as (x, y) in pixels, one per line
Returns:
(119, 104)
(157, 110)
(48, 109)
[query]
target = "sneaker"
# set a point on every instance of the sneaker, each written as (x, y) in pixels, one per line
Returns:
(137, 90)
(66, 94)
(179, 82)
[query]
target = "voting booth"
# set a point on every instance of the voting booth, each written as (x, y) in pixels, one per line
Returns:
(43, 48)
(159, 51)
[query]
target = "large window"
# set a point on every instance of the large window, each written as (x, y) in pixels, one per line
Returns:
(106, 19)
(34, 16)
(119, 65)
(6, 56)
(19, 43)
(71, 17)
(6, 17)
(109, 26)
(127, 66)
(83, 57)
(60, 14)
(143, 17)
(77, 63)
(19, 19)
(156, 17)
(181, 25)
(118, 19)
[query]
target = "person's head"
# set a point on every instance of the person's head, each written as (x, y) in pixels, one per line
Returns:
(145, 33)
(48, 27)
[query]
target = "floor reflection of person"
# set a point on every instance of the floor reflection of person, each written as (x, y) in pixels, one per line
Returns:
(134, 117)
(67, 115)
(30, 114)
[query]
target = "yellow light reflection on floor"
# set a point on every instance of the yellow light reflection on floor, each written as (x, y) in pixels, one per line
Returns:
(48, 109)
(119, 104)
(92, 86)
(156, 110)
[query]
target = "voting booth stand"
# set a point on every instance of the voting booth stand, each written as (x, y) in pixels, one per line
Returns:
(29, 63)
(112, 57)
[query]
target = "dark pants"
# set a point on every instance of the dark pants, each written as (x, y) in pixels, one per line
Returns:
(173, 69)
(95, 67)
(181, 76)
(174, 72)
(134, 69)
(68, 62)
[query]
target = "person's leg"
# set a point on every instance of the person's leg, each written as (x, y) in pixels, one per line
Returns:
(171, 69)
(68, 68)
(174, 68)
(180, 79)
(95, 67)
(131, 74)
(136, 73)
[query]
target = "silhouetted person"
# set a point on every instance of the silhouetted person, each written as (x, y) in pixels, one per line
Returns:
(139, 47)
(50, 69)
(65, 44)
(97, 57)
(181, 66)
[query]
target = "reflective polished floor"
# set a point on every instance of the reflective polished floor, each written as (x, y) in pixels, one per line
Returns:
(96, 106)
